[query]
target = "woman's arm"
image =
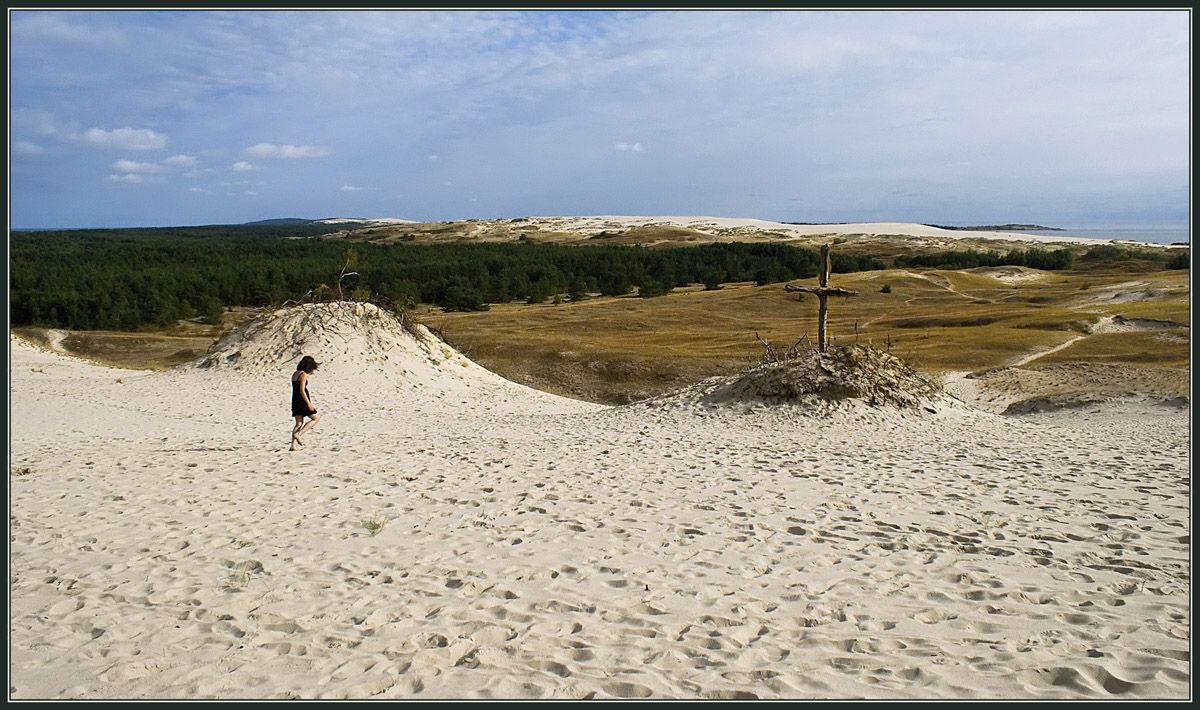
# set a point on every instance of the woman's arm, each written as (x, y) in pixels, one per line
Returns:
(304, 390)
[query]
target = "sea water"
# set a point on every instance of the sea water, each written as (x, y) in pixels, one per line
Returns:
(1149, 235)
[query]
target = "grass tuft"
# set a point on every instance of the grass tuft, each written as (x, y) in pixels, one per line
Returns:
(374, 525)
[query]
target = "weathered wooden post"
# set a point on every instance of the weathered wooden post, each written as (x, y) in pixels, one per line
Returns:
(823, 292)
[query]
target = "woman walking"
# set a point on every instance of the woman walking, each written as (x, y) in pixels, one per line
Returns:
(302, 406)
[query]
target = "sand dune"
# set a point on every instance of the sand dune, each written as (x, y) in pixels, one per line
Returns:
(742, 228)
(447, 534)
(726, 223)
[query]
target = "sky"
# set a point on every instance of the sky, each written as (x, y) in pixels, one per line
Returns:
(180, 117)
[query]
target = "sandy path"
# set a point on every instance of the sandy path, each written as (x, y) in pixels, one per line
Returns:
(171, 548)
(1049, 351)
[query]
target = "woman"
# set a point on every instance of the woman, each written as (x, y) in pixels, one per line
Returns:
(302, 406)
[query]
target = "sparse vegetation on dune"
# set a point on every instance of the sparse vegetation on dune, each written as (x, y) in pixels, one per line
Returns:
(1144, 348)
(148, 348)
(841, 372)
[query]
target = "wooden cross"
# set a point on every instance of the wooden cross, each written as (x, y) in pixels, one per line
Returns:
(823, 292)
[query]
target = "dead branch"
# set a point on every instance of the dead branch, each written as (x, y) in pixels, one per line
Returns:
(820, 290)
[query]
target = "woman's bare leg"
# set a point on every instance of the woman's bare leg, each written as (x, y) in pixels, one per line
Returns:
(304, 429)
(295, 433)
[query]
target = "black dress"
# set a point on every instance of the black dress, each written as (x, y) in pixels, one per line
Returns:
(299, 405)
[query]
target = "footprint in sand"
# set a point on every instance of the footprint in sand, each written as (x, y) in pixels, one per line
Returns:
(554, 667)
(626, 689)
(933, 616)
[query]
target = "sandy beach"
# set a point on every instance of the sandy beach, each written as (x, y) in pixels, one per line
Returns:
(445, 533)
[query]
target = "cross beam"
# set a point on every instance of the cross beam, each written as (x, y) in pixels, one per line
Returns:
(822, 292)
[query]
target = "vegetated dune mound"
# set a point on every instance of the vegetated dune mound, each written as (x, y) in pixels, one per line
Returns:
(1067, 386)
(359, 345)
(344, 337)
(1091, 400)
(1010, 273)
(851, 373)
(1121, 324)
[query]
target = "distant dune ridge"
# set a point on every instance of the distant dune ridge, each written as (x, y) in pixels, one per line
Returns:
(445, 533)
(717, 228)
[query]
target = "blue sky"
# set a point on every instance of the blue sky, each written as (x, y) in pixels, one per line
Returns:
(948, 117)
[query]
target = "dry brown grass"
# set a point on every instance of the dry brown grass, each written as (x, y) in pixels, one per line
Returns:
(149, 349)
(1152, 349)
(614, 349)
(138, 351)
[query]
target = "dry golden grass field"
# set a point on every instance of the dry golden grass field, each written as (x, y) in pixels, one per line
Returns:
(617, 349)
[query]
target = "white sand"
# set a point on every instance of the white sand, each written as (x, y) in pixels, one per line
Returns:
(165, 544)
(359, 220)
(711, 224)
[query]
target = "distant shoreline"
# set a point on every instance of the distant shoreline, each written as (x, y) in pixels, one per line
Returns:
(975, 228)
(1000, 228)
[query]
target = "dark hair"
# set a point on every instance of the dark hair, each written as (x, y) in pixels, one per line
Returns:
(308, 364)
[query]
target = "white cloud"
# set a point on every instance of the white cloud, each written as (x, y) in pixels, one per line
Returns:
(270, 150)
(39, 123)
(351, 188)
(46, 26)
(27, 149)
(196, 189)
(180, 161)
(434, 158)
(242, 166)
(630, 147)
(135, 171)
(124, 139)
(132, 166)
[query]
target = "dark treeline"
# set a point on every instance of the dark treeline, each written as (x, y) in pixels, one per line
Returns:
(123, 279)
(270, 229)
(1110, 253)
(1182, 260)
(999, 228)
(1033, 258)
